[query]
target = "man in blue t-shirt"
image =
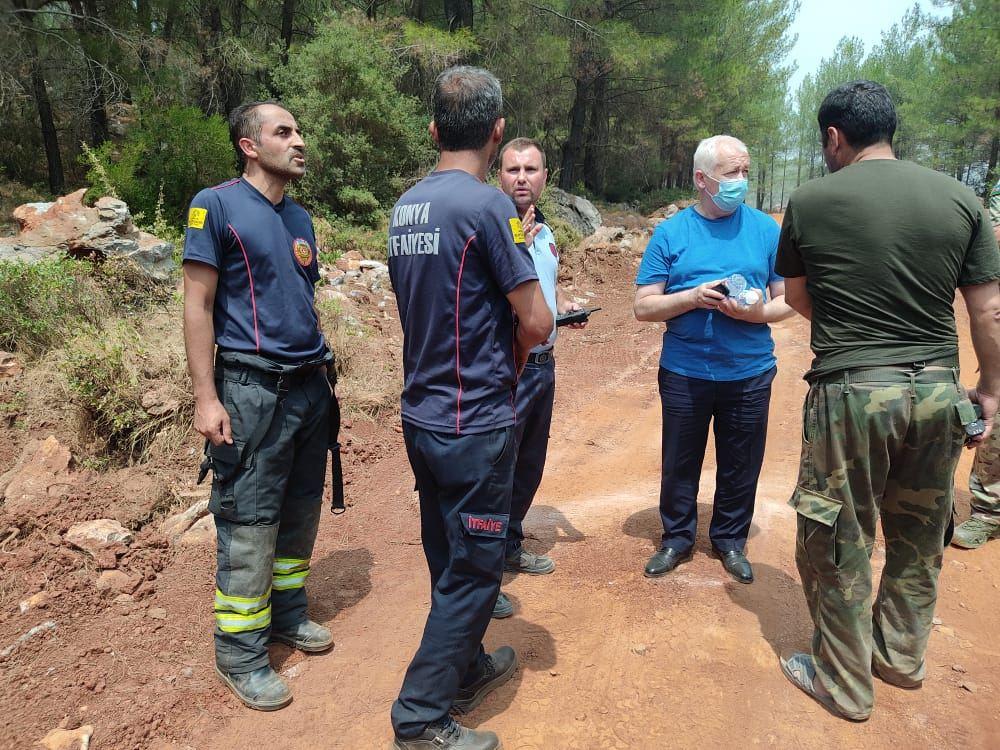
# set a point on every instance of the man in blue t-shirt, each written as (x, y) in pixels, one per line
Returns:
(258, 365)
(523, 177)
(461, 274)
(718, 357)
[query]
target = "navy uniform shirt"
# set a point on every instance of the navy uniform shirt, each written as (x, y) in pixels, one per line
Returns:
(456, 248)
(266, 258)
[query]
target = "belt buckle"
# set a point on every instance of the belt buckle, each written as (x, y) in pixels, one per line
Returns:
(542, 358)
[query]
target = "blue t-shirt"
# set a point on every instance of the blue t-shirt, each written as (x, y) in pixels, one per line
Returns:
(456, 248)
(266, 258)
(689, 250)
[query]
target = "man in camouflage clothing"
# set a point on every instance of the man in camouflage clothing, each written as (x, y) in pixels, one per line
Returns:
(984, 481)
(872, 254)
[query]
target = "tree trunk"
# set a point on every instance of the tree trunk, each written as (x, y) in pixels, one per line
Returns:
(573, 144)
(594, 169)
(991, 164)
(287, 16)
(50, 137)
(761, 182)
(459, 14)
(417, 10)
(92, 45)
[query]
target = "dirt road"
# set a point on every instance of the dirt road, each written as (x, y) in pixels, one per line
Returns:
(608, 658)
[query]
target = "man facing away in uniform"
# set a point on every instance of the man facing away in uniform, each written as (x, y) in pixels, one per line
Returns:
(523, 177)
(461, 274)
(984, 479)
(872, 254)
(717, 363)
(258, 364)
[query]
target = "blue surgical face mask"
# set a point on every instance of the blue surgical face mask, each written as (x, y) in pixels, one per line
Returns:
(731, 193)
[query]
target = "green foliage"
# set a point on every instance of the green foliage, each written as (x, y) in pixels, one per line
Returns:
(336, 237)
(167, 156)
(42, 304)
(365, 138)
(98, 365)
(646, 203)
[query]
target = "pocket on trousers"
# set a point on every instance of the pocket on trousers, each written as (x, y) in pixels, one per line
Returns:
(502, 441)
(818, 516)
(227, 468)
(482, 544)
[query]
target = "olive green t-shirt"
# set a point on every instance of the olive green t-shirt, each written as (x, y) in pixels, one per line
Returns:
(883, 245)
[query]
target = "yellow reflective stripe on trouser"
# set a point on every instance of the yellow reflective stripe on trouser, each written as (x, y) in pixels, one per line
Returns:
(290, 573)
(238, 614)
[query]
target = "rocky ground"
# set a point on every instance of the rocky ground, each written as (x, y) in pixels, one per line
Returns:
(106, 577)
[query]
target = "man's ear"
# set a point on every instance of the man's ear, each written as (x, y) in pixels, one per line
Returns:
(699, 179)
(498, 128)
(834, 139)
(248, 147)
(432, 128)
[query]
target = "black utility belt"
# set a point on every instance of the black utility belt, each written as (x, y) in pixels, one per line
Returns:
(946, 371)
(541, 358)
(279, 381)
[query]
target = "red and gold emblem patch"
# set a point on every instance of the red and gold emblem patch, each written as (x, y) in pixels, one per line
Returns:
(552, 249)
(303, 252)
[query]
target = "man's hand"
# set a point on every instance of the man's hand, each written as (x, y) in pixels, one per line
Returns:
(752, 314)
(530, 227)
(988, 403)
(569, 306)
(212, 420)
(705, 298)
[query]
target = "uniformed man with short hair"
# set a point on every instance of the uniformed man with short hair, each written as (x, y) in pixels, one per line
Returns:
(872, 254)
(259, 364)
(461, 273)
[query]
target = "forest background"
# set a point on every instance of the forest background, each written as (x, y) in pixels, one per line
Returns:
(129, 96)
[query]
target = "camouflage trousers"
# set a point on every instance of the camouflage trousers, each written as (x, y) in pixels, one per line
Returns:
(874, 450)
(984, 481)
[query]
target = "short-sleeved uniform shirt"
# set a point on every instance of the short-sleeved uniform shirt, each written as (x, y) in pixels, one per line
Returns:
(545, 258)
(266, 258)
(883, 245)
(689, 250)
(456, 248)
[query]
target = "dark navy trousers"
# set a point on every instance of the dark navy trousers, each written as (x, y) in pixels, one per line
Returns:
(536, 391)
(738, 412)
(464, 483)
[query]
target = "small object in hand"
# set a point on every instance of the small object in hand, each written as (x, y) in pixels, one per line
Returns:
(577, 316)
(736, 283)
(721, 288)
(747, 298)
(977, 427)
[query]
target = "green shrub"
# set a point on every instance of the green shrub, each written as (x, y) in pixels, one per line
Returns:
(336, 237)
(100, 365)
(167, 156)
(646, 203)
(363, 137)
(42, 304)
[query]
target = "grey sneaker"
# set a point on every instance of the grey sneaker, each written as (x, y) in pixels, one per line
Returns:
(307, 636)
(498, 667)
(503, 608)
(261, 689)
(529, 562)
(449, 735)
(975, 533)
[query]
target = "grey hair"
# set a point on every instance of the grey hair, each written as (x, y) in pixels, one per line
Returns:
(467, 104)
(706, 156)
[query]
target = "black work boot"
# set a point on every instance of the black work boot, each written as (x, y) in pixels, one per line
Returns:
(261, 689)
(497, 668)
(449, 735)
(307, 636)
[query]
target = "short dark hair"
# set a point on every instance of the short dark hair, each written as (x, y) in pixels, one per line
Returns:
(467, 104)
(245, 122)
(522, 144)
(862, 110)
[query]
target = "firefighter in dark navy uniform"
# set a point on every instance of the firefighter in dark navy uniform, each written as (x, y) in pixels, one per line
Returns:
(461, 273)
(259, 367)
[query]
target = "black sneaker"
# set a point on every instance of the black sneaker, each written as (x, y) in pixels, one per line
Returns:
(497, 669)
(449, 735)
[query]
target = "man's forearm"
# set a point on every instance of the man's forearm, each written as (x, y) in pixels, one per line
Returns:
(985, 327)
(199, 342)
(777, 309)
(658, 308)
